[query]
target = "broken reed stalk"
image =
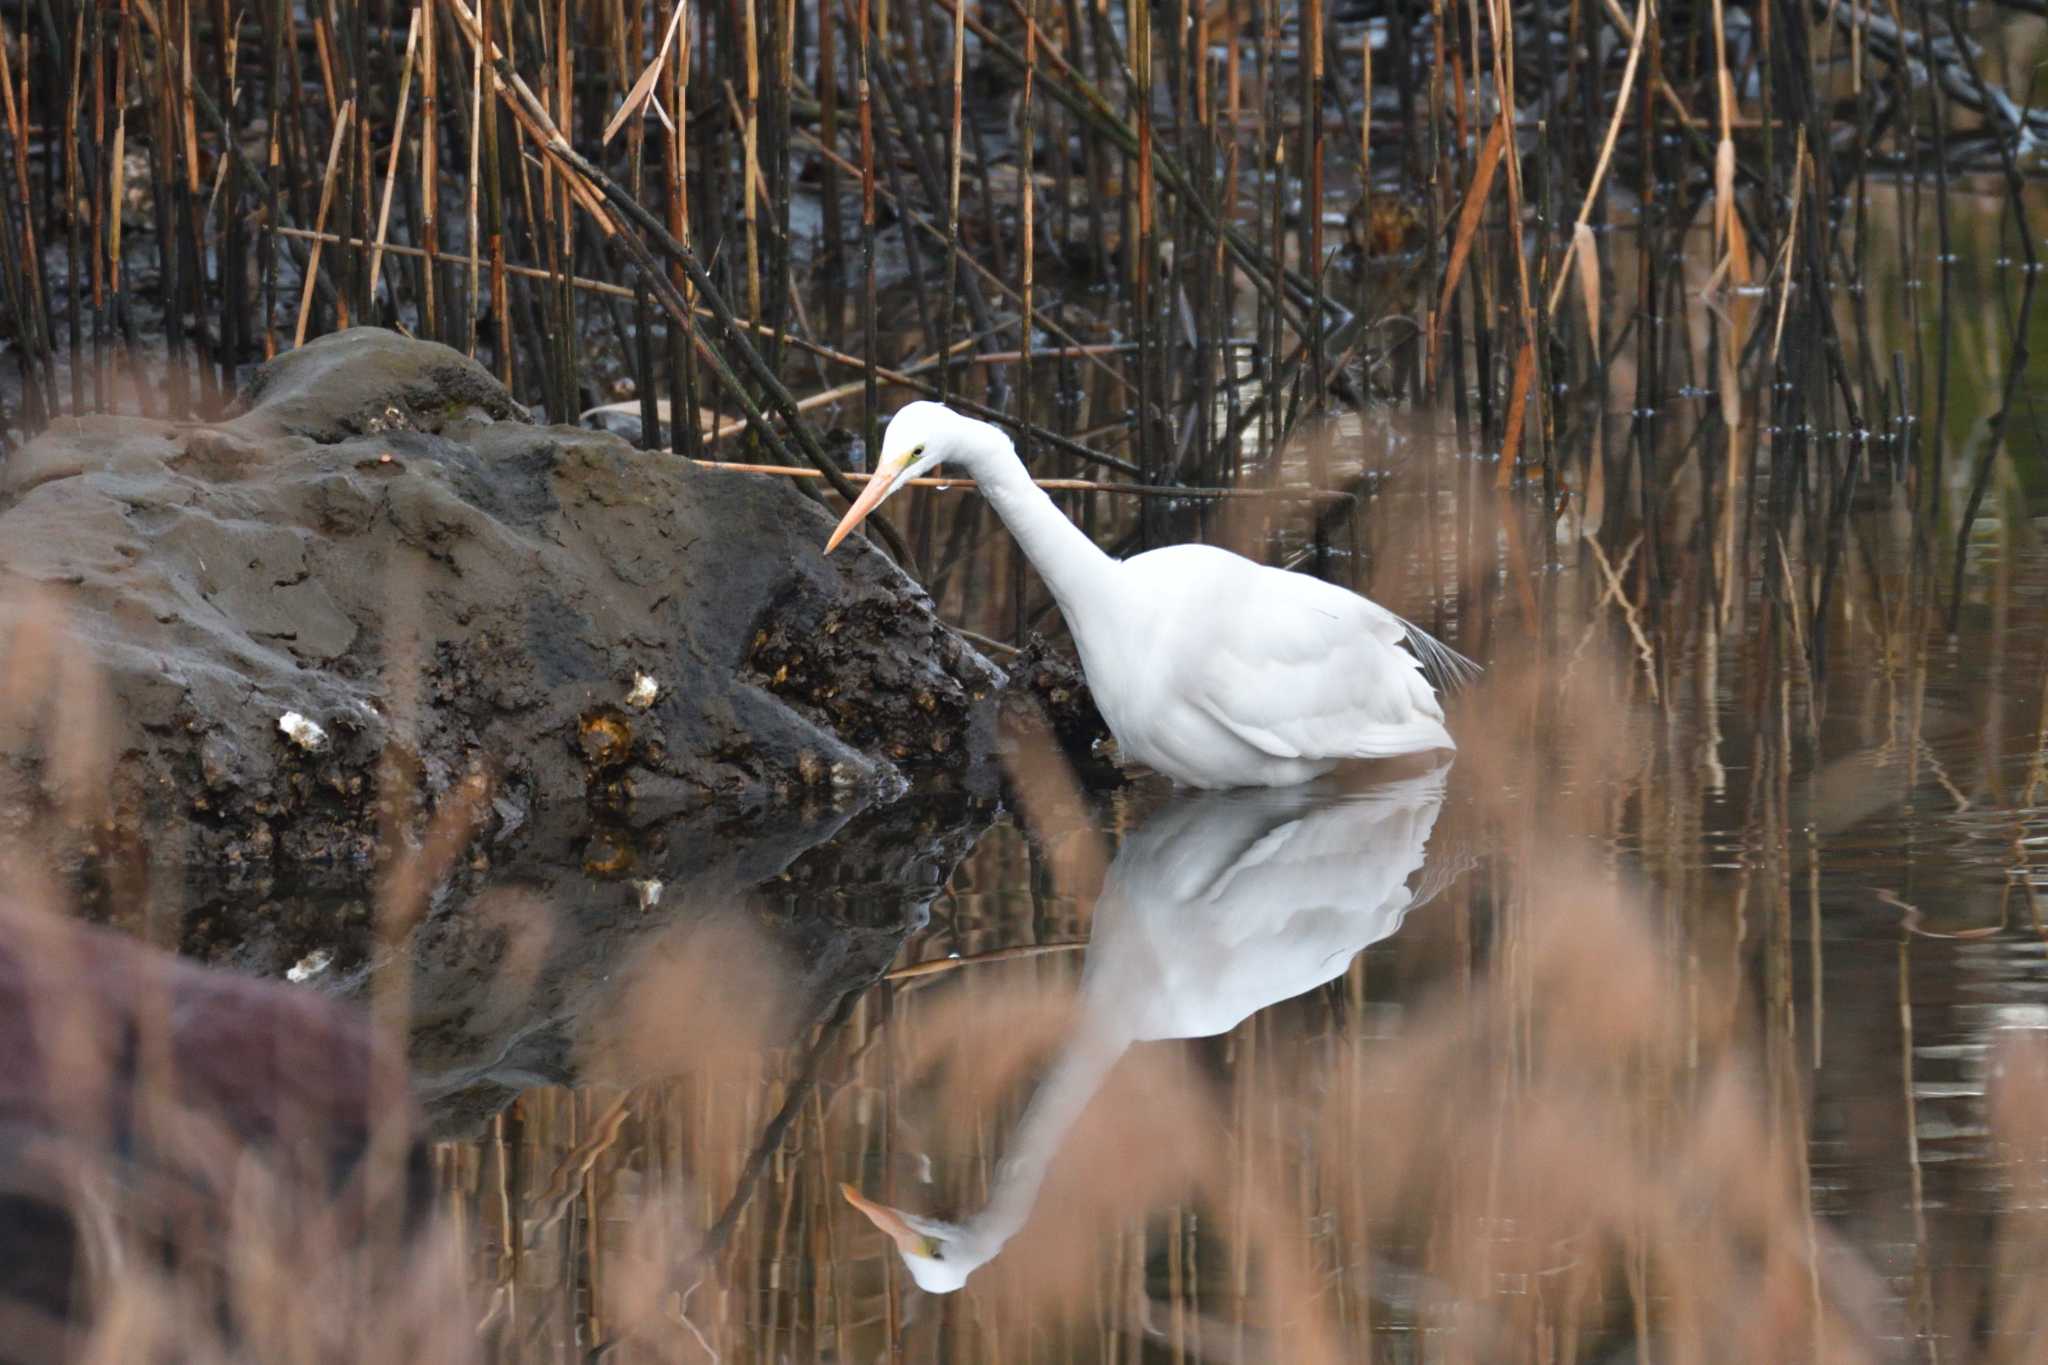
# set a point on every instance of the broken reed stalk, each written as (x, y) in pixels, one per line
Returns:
(955, 146)
(942, 965)
(1063, 485)
(471, 294)
(1027, 124)
(21, 257)
(1635, 33)
(341, 123)
(412, 33)
(869, 323)
(750, 155)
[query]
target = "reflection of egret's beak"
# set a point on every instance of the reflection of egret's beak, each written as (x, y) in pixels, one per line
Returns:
(887, 1219)
(870, 498)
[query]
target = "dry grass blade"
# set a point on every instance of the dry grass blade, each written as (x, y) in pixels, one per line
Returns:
(1518, 407)
(327, 181)
(1731, 241)
(1800, 169)
(1628, 81)
(472, 295)
(1469, 214)
(940, 966)
(412, 37)
(643, 90)
(1586, 264)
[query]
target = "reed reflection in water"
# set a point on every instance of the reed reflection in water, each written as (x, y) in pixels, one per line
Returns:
(1628, 1087)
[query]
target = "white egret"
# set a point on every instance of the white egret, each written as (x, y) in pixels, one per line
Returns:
(1219, 906)
(1212, 669)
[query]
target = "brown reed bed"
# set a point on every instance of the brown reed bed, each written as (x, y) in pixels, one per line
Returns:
(771, 213)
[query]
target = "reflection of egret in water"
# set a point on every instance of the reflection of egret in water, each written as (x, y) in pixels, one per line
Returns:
(1220, 905)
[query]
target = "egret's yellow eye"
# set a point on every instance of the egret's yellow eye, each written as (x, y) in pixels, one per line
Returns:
(933, 1249)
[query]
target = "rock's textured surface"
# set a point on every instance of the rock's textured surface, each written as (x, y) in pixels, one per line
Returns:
(380, 556)
(1048, 688)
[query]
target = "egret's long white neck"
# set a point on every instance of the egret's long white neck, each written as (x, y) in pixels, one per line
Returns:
(1069, 562)
(1058, 1102)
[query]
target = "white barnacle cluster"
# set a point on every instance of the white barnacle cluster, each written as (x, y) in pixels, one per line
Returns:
(309, 966)
(300, 730)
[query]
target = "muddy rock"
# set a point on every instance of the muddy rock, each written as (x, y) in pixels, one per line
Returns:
(379, 557)
(1047, 687)
(367, 380)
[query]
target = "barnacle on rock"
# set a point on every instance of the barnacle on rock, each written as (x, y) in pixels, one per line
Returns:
(301, 731)
(607, 855)
(604, 737)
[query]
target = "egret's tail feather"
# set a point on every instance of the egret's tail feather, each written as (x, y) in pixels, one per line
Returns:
(1445, 667)
(1447, 860)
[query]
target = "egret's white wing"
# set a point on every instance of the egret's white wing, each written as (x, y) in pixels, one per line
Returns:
(1298, 668)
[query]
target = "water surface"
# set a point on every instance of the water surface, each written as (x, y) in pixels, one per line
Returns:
(1695, 1011)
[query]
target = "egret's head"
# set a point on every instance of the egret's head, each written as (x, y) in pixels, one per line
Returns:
(918, 437)
(932, 1251)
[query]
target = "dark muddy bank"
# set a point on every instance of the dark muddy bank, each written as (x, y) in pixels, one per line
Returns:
(381, 558)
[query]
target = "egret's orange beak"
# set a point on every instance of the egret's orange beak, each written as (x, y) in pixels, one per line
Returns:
(887, 1219)
(870, 497)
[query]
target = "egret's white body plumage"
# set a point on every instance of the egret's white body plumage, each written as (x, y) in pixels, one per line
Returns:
(1212, 669)
(1219, 906)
